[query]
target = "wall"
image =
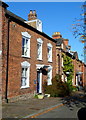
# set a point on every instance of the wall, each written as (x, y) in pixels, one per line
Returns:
(15, 59)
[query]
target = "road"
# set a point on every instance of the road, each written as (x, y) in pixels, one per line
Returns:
(68, 110)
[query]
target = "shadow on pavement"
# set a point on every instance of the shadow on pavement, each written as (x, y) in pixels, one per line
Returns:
(77, 99)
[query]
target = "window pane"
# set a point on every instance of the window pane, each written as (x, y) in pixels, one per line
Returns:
(25, 51)
(24, 76)
(27, 43)
(22, 50)
(38, 50)
(49, 49)
(49, 77)
(23, 81)
(49, 53)
(25, 46)
(23, 42)
(22, 72)
(25, 72)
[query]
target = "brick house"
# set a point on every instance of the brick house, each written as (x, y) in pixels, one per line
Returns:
(30, 57)
(62, 47)
(26, 55)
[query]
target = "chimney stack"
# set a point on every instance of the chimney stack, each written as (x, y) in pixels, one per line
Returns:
(32, 15)
(66, 42)
(56, 35)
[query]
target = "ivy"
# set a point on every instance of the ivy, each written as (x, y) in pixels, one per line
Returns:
(68, 67)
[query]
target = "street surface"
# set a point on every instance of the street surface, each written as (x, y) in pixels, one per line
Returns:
(62, 112)
(68, 110)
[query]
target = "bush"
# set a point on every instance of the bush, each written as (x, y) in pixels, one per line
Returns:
(58, 88)
(84, 89)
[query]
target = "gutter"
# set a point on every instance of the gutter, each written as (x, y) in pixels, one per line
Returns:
(21, 21)
(7, 67)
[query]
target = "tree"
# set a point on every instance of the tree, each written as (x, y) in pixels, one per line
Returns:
(79, 28)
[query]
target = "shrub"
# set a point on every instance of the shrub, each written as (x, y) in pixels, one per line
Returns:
(58, 88)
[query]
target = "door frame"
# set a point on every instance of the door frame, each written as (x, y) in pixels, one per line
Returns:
(38, 67)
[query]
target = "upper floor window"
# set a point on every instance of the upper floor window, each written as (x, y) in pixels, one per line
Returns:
(39, 48)
(25, 74)
(49, 76)
(49, 50)
(25, 44)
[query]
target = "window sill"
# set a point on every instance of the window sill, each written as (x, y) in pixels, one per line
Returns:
(50, 61)
(25, 57)
(49, 84)
(39, 59)
(25, 87)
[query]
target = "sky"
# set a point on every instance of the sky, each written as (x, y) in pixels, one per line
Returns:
(55, 16)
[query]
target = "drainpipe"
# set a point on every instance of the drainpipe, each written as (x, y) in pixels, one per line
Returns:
(7, 67)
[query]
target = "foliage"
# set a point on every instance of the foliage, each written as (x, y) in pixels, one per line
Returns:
(79, 24)
(58, 88)
(79, 29)
(68, 67)
(85, 89)
(35, 96)
(75, 88)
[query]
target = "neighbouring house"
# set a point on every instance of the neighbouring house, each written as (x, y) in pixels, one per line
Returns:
(62, 47)
(30, 57)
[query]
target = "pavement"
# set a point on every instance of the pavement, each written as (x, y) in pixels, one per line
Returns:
(32, 107)
(29, 107)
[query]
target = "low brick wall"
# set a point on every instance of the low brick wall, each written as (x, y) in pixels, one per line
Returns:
(20, 97)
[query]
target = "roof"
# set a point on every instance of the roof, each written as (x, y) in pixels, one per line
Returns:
(3, 4)
(21, 21)
(15, 16)
(59, 41)
(75, 55)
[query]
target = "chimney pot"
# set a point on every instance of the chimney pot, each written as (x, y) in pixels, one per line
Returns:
(32, 15)
(31, 12)
(34, 11)
(56, 35)
(66, 42)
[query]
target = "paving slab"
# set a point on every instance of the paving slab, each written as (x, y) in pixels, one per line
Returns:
(23, 108)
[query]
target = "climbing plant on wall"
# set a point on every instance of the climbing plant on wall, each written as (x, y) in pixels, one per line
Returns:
(68, 68)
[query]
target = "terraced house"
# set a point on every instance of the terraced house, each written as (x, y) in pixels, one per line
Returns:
(79, 69)
(29, 56)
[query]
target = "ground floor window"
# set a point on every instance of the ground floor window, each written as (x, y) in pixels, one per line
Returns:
(49, 76)
(25, 74)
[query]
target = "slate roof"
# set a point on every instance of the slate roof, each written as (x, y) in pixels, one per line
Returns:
(75, 55)
(21, 21)
(59, 41)
(15, 16)
(3, 4)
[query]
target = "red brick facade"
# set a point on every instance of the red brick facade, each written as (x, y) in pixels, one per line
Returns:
(15, 59)
(12, 57)
(62, 47)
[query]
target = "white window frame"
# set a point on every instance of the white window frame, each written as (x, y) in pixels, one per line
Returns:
(38, 66)
(39, 52)
(49, 76)
(26, 46)
(62, 62)
(62, 46)
(49, 54)
(25, 65)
